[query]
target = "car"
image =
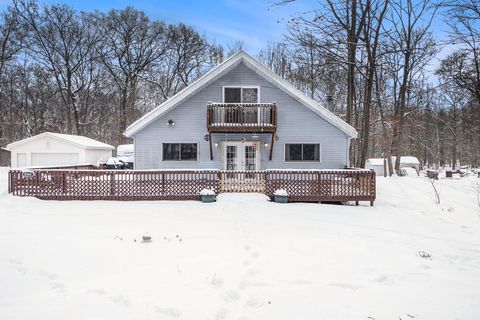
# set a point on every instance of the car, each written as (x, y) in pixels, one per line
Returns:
(114, 163)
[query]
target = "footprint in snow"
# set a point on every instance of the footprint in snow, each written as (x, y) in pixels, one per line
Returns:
(60, 287)
(221, 314)
(98, 292)
(170, 312)
(122, 301)
(255, 302)
(346, 286)
(252, 272)
(384, 279)
(216, 282)
(247, 262)
(231, 296)
(50, 276)
(18, 265)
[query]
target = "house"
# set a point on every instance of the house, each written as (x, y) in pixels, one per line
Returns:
(377, 164)
(241, 116)
(4, 157)
(55, 149)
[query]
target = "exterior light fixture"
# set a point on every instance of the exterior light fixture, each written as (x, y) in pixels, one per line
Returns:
(265, 145)
(170, 123)
(216, 144)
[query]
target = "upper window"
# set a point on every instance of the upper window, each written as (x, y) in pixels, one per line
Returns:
(179, 152)
(240, 95)
(302, 152)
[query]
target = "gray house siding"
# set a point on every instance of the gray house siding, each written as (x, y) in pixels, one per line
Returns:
(296, 123)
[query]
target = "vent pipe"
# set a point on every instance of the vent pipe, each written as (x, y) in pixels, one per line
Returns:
(329, 102)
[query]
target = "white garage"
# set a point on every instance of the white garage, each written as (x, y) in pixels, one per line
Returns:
(56, 149)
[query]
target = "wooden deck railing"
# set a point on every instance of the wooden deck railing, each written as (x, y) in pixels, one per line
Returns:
(241, 117)
(301, 185)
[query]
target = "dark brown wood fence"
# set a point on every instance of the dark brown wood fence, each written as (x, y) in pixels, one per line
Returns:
(301, 185)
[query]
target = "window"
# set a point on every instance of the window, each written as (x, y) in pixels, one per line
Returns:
(236, 114)
(179, 152)
(302, 152)
(240, 95)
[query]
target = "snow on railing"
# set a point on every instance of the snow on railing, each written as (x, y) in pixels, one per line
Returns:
(301, 185)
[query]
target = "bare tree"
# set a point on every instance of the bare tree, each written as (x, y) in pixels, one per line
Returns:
(130, 44)
(11, 42)
(411, 21)
(62, 41)
(376, 12)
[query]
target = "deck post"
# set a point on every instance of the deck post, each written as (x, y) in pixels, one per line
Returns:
(271, 146)
(210, 142)
(112, 184)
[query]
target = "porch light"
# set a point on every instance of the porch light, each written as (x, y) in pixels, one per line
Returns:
(265, 145)
(216, 145)
(170, 123)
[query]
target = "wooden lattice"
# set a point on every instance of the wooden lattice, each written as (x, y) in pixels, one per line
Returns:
(301, 185)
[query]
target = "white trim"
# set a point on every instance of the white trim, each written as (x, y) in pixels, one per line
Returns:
(301, 161)
(180, 142)
(241, 92)
(225, 66)
(240, 143)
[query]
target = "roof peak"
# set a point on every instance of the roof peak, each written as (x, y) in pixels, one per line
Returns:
(225, 66)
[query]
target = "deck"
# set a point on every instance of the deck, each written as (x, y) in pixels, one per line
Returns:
(301, 185)
(241, 117)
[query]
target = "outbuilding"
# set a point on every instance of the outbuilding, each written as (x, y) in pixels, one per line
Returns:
(56, 149)
(377, 164)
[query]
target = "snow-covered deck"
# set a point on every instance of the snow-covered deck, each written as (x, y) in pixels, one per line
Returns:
(301, 185)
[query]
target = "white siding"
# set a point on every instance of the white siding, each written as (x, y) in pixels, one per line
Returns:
(296, 123)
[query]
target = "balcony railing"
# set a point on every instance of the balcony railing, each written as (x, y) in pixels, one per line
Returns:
(242, 117)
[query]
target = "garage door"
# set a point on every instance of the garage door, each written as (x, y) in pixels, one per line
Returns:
(54, 159)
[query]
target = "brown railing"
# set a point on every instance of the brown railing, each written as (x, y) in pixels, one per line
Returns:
(241, 117)
(301, 185)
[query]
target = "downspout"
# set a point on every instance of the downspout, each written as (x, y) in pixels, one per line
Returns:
(347, 155)
(134, 154)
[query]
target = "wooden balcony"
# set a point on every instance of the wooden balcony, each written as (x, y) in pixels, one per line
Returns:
(241, 117)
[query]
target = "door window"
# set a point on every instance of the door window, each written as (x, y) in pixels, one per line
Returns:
(231, 158)
(240, 156)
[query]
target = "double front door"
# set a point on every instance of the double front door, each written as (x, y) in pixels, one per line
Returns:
(241, 155)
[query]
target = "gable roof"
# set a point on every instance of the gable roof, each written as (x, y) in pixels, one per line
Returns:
(223, 68)
(81, 141)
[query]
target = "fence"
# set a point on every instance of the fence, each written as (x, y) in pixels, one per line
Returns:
(301, 185)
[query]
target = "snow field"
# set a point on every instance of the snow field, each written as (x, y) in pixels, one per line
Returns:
(244, 257)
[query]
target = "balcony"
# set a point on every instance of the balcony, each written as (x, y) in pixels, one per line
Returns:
(241, 117)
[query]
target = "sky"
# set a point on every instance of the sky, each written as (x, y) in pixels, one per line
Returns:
(255, 22)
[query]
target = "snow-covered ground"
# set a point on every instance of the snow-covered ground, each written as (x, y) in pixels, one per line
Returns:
(245, 258)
